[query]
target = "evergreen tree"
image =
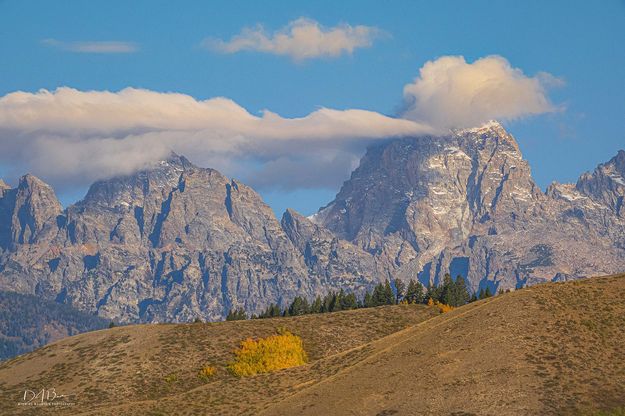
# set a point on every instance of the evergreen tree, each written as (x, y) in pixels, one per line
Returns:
(400, 286)
(460, 292)
(272, 311)
(389, 297)
(414, 292)
(448, 295)
(348, 302)
(299, 306)
(338, 304)
(329, 302)
(317, 305)
(487, 292)
(367, 301)
(236, 314)
(378, 298)
(435, 293)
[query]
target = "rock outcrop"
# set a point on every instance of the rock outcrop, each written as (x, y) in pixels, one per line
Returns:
(466, 203)
(175, 242)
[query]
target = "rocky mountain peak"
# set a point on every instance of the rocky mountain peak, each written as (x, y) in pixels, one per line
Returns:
(128, 190)
(298, 228)
(446, 185)
(426, 205)
(26, 211)
(606, 184)
(174, 241)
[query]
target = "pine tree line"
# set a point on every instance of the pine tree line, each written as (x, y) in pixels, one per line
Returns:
(450, 292)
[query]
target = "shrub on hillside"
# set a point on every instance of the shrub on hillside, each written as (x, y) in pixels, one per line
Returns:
(265, 355)
(206, 372)
(442, 308)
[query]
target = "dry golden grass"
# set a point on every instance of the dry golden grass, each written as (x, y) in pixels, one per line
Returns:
(152, 369)
(548, 350)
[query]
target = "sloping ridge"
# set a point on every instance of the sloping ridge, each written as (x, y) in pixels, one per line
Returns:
(551, 349)
(555, 349)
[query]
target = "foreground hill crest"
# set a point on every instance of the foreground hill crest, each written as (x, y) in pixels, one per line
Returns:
(174, 241)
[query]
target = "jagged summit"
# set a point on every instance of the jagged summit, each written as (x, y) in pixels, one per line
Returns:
(27, 213)
(170, 242)
(467, 203)
(486, 126)
(176, 160)
(606, 184)
(173, 241)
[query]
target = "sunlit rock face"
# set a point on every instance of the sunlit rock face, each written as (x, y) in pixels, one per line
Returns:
(171, 243)
(175, 242)
(466, 204)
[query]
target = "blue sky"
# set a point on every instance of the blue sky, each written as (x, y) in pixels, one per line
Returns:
(580, 42)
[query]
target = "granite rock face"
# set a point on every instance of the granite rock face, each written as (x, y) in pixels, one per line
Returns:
(171, 243)
(176, 242)
(466, 203)
(606, 185)
(27, 213)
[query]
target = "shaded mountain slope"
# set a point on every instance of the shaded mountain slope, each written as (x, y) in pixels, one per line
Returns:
(28, 322)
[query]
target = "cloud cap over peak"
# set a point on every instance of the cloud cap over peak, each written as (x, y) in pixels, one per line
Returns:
(72, 137)
(301, 39)
(452, 93)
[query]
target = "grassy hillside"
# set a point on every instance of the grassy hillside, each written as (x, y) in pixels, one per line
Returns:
(550, 349)
(28, 322)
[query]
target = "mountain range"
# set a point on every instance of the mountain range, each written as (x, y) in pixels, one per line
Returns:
(176, 242)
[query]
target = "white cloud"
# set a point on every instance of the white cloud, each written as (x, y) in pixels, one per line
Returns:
(93, 46)
(450, 92)
(72, 137)
(301, 39)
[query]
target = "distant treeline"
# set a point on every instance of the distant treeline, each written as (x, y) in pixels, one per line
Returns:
(451, 292)
(28, 322)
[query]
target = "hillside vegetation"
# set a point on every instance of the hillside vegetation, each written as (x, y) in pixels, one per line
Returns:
(28, 322)
(549, 349)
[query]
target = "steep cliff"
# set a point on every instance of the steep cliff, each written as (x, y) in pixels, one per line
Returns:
(173, 242)
(466, 203)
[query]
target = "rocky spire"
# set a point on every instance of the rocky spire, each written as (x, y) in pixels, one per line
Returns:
(28, 211)
(606, 184)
